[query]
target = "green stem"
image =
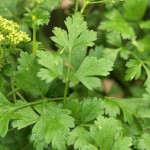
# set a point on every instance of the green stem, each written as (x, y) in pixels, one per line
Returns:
(136, 57)
(96, 2)
(13, 88)
(20, 96)
(34, 48)
(13, 91)
(67, 78)
(39, 102)
(77, 4)
(84, 6)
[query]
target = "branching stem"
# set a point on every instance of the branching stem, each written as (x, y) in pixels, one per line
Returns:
(13, 91)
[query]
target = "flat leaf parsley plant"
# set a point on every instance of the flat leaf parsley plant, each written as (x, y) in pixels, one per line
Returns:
(56, 99)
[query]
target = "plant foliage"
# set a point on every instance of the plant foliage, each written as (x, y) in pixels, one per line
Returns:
(74, 75)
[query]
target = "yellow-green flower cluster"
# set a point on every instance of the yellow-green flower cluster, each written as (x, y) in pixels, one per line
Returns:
(7, 25)
(17, 36)
(1, 37)
(10, 33)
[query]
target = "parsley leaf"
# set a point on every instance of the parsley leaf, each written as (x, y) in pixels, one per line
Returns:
(138, 12)
(6, 111)
(26, 77)
(81, 139)
(53, 126)
(90, 67)
(52, 63)
(77, 35)
(86, 110)
(118, 25)
(134, 69)
(144, 142)
(106, 133)
(21, 117)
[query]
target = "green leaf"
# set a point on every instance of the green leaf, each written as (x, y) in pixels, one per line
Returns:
(10, 9)
(81, 139)
(91, 66)
(70, 39)
(124, 53)
(114, 39)
(147, 82)
(111, 54)
(38, 15)
(128, 110)
(111, 108)
(52, 63)
(76, 107)
(105, 132)
(26, 77)
(7, 8)
(118, 25)
(145, 24)
(24, 117)
(122, 143)
(91, 108)
(4, 120)
(90, 82)
(142, 44)
(6, 112)
(3, 83)
(134, 69)
(86, 110)
(49, 4)
(144, 112)
(97, 52)
(77, 57)
(53, 126)
(134, 9)
(144, 142)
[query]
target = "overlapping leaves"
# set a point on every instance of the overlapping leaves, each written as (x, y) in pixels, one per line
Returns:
(52, 63)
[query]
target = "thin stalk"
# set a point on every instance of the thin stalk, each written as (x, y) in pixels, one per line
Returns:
(20, 96)
(13, 91)
(34, 48)
(77, 5)
(67, 78)
(96, 2)
(13, 88)
(136, 57)
(39, 102)
(84, 6)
